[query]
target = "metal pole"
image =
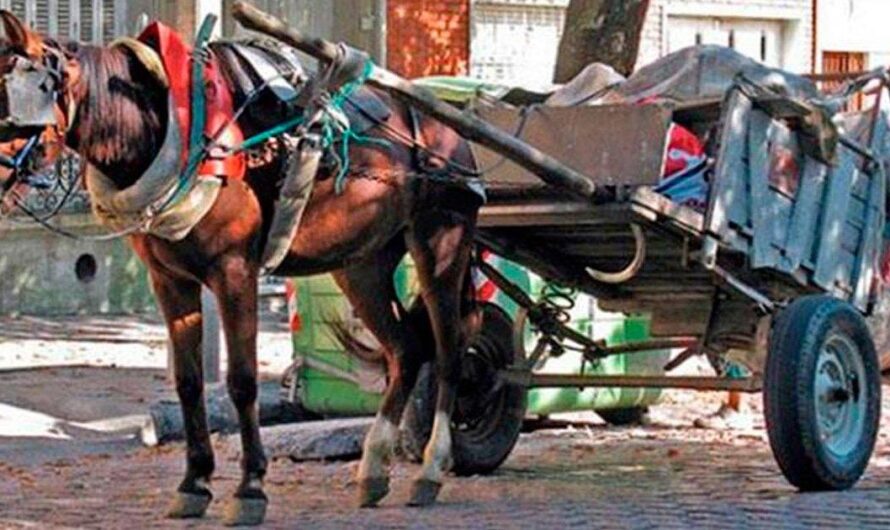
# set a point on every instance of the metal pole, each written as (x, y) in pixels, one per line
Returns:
(210, 341)
(531, 380)
(210, 336)
(209, 7)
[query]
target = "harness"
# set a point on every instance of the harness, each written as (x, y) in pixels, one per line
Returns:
(204, 142)
(202, 100)
(181, 185)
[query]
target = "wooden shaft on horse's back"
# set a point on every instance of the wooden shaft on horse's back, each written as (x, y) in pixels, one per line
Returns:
(547, 168)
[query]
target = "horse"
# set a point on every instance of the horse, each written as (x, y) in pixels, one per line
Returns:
(113, 111)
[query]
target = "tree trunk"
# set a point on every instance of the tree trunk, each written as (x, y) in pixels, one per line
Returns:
(603, 31)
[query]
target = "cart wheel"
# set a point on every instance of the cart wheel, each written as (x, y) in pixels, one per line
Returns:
(487, 415)
(622, 417)
(822, 394)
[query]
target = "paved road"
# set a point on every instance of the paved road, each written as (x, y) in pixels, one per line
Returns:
(666, 475)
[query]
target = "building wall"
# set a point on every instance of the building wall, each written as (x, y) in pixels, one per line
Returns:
(428, 37)
(502, 33)
(854, 26)
(39, 272)
(796, 17)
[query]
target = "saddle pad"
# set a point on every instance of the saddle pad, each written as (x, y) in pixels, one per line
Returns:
(249, 64)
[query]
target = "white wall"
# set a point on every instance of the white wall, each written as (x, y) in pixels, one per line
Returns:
(855, 26)
(794, 15)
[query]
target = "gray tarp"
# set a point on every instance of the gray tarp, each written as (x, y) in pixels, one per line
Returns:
(691, 74)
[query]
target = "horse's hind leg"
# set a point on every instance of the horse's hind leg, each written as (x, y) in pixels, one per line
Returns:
(441, 244)
(234, 281)
(369, 288)
(180, 302)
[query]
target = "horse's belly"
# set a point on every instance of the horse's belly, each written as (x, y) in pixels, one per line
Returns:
(337, 230)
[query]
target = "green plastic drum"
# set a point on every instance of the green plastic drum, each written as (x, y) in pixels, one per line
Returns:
(330, 382)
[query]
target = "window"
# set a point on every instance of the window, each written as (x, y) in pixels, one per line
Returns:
(94, 21)
(516, 43)
(760, 39)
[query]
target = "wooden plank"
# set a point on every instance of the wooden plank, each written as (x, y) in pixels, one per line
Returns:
(802, 228)
(779, 213)
(645, 198)
(730, 175)
(866, 266)
(834, 214)
(762, 252)
(609, 144)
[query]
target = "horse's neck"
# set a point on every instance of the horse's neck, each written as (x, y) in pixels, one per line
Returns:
(121, 115)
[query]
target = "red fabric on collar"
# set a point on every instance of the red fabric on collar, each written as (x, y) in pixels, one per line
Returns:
(176, 56)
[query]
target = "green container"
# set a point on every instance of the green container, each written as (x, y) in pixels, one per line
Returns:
(333, 383)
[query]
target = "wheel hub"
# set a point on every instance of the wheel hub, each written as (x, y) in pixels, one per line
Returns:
(840, 408)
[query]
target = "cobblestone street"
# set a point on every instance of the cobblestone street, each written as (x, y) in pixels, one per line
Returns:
(665, 475)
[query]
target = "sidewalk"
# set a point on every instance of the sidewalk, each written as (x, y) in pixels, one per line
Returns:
(128, 341)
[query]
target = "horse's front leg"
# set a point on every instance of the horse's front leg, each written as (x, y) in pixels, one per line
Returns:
(180, 302)
(235, 284)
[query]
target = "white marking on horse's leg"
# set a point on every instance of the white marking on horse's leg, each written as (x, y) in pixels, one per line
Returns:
(437, 455)
(378, 449)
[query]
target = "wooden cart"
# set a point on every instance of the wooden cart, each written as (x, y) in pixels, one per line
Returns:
(777, 273)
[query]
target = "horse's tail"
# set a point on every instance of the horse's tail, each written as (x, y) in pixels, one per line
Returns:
(417, 319)
(350, 342)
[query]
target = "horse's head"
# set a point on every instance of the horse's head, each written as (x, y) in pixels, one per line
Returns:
(35, 78)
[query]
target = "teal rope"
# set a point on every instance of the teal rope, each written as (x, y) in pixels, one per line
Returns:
(257, 139)
(348, 135)
(331, 135)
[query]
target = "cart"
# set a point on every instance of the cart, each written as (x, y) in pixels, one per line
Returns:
(777, 271)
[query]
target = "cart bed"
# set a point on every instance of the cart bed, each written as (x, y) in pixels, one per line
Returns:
(778, 219)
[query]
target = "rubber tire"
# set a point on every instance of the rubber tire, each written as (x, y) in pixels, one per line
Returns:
(623, 417)
(482, 450)
(788, 394)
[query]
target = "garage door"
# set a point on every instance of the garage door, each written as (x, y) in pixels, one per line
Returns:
(759, 39)
(516, 44)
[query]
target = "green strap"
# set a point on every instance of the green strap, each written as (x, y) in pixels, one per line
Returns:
(198, 111)
(257, 139)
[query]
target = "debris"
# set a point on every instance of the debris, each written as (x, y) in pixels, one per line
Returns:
(317, 440)
(165, 424)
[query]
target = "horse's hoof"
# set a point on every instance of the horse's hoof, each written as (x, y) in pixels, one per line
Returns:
(372, 490)
(245, 512)
(188, 505)
(424, 492)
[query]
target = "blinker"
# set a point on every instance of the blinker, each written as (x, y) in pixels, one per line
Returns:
(30, 98)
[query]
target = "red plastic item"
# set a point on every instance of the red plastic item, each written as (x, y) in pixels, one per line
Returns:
(176, 56)
(683, 146)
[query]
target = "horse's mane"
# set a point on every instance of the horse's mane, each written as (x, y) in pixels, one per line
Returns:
(122, 111)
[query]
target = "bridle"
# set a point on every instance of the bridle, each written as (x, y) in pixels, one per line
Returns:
(36, 95)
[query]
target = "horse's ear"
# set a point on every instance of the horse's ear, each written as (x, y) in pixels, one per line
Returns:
(19, 35)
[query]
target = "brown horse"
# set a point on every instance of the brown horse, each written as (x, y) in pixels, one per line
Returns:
(360, 234)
